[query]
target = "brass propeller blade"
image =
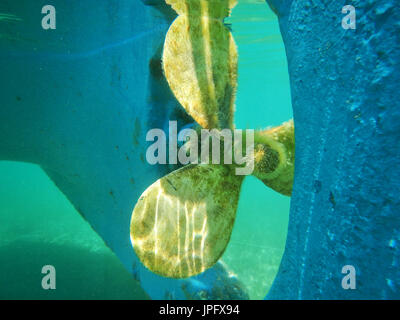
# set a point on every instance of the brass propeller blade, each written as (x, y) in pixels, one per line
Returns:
(182, 223)
(200, 61)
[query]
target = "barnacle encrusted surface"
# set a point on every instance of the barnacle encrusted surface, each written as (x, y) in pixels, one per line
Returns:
(281, 179)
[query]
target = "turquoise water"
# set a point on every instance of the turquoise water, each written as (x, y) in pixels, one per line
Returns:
(38, 223)
(263, 99)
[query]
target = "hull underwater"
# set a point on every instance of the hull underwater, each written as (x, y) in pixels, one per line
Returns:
(345, 202)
